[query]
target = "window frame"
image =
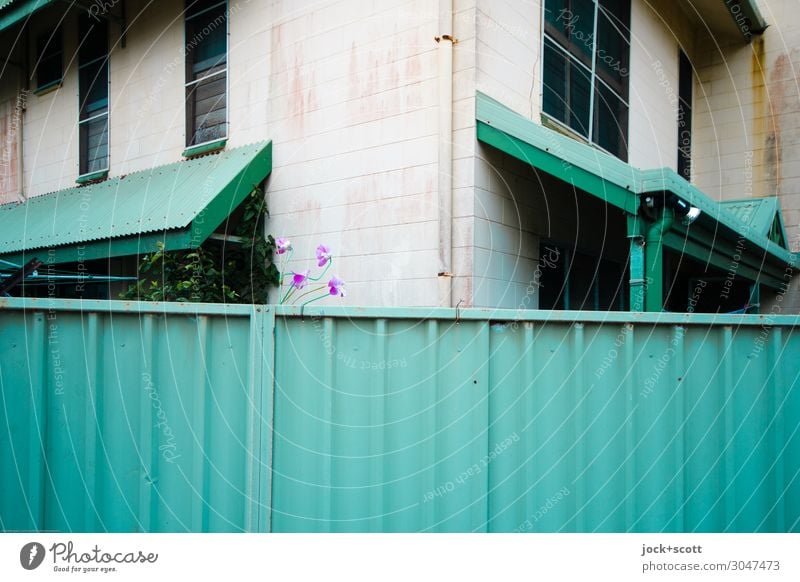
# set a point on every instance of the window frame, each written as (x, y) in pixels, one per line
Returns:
(558, 40)
(684, 114)
(190, 128)
(84, 173)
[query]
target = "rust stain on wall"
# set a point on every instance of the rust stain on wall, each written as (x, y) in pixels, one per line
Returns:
(9, 126)
(768, 106)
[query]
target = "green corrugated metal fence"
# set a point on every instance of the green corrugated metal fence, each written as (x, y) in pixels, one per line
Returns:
(151, 417)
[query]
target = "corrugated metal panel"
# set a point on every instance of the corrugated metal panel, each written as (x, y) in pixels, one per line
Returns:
(126, 421)
(386, 424)
(163, 198)
(759, 214)
(397, 420)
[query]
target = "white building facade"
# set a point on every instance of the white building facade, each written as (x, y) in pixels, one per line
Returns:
(371, 110)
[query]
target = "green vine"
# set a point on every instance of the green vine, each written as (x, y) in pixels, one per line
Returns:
(216, 271)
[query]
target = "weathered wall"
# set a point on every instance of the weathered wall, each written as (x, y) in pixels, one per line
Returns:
(748, 116)
(658, 31)
(12, 104)
(747, 124)
(352, 108)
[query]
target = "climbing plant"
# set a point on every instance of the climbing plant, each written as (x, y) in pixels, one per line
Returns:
(216, 271)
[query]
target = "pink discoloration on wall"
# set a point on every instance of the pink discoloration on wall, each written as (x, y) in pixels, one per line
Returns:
(9, 127)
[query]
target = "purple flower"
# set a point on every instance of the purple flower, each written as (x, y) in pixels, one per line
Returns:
(282, 245)
(323, 255)
(300, 280)
(336, 286)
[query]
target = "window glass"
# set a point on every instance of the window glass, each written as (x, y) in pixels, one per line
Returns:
(93, 95)
(585, 42)
(49, 64)
(610, 121)
(206, 71)
(567, 89)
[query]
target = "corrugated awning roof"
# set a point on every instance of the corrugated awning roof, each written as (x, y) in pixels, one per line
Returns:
(712, 238)
(179, 204)
(762, 215)
(13, 11)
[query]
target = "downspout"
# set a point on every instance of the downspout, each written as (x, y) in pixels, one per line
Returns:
(637, 266)
(20, 107)
(654, 260)
(445, 182)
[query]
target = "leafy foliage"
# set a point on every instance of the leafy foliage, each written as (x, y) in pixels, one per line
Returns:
(216, 271)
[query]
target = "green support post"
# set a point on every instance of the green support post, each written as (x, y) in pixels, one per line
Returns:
(654, 260)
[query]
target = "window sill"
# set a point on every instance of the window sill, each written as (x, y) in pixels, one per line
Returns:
(205, 148)
(563, 129)
(93, 177)
(49, 88)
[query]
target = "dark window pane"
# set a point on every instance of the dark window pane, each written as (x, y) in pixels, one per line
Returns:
(566, 89)
(612, 286)
(580, 86)
(582, 275)
(685, 117)
(49, 64)
(612, 53)
(194, 7)
(555, 82)
(93, 35)
(93, 81)
(610, 122)
(571, 23)
(551, 281)
(206, 40)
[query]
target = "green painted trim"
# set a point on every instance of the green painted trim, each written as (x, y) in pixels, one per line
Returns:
(713, 243)
(205, 148)
(601, 174)
(555, 166)
(48, 88)
(92, 177)
(229, 197)
(19, 10)
(637, 276)
(666, 180)
(697, 250)
(654, 260)
(496, 316)
(103, 249)
(748, 20)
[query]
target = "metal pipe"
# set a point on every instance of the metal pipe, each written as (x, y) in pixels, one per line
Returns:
(654, 259)
(445, 159)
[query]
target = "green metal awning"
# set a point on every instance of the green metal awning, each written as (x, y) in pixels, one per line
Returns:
(721, 233)
(762, 215)
(179, 205)
(13, 11)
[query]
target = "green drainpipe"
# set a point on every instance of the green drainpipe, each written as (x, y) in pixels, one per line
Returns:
(654, 260)
(637, 279)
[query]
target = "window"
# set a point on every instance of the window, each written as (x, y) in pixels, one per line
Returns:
(206, 71)
(570, 279)
(585, 73)
(93, 95)
(685, 117)
(49, 59)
